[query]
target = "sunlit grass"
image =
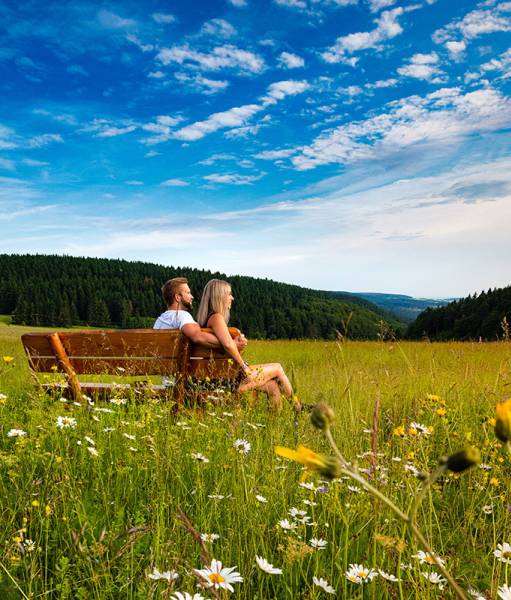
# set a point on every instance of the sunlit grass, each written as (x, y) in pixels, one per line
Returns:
(101, 524)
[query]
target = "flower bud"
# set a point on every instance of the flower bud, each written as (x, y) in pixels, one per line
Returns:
(322, 415)
(503, 421)
(463, 459)
(330, 469)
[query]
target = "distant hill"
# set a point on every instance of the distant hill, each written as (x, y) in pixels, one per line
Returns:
(62, 291)
(405, 308)
(484, 316)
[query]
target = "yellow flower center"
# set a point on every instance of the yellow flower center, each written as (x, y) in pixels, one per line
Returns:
(506, 554)
(430, 560)
(216, 578)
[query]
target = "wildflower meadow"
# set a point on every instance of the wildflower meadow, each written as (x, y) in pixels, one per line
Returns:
(128, 498)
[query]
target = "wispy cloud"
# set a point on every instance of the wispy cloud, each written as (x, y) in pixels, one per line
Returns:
(476, 23)
(444, 116)
(220, 57)
(174, 183)
(233, 178)
(113, 21)
(346, 46)
(44, 139)
(106, 128)
(423, 66)
(288, 60)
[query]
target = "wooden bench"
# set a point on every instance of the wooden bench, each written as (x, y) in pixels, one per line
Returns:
(126, 353)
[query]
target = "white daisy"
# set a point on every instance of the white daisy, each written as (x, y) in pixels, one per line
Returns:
(504, 592)
(503, 553)
(307, 486)
(186, 596)
(487, 509)
(90, 440)
(93, 451)
(324, 585)
(355, 489)
(267, 567)
(16, 433)
(118, 401)
(218, 578)
(129, 437)
(260, 498)
(167, 575)
(435, 578)
(423, 429)
(242, 446)
(108, 429)
(318, 543)
(209, 537)
(360, 574)
(200, 457)
(286, 525)
(428, 558)
(65, 422)
(388, 576)
(29, 545)
(310, 503)
(477, 595)
(215, 496)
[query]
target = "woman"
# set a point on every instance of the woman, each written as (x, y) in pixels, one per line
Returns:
(214, 312)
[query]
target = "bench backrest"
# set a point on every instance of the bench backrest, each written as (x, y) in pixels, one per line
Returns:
(127, 352)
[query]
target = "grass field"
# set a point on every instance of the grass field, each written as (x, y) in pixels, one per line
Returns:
(90, 510)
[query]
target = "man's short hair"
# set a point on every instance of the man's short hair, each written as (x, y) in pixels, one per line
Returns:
(171, 287)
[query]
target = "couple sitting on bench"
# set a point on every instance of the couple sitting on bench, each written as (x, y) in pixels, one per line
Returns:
(214, 312)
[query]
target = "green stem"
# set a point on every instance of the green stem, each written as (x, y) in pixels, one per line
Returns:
(407, 519)
(437, 473)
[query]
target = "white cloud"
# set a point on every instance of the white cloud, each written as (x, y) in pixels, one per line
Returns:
(221, 57)
(275, 154)
(383, 83)
(29, 162)
(7, 138)
(77, 70)
(112, 21)
(156, 75)
(43, 140)
(234, 117)
(134, 182)
(238, 3)
(163, 18)
(202, 85)
(443, 117)
(387, 27)
(455, 49)
(105, 128)
(280, 89)
(474, 24)
(502, 63)
(237, 118)
(135, 40)
(422, 66)
(174, 183)
(218, 28)
(232, 178)
(376, 5)
(291, 61)
(162, 128)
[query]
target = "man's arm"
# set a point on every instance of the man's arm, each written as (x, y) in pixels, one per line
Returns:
(204, 338)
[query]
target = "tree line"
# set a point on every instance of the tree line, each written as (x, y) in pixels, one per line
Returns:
(65, 291)
(484, 316)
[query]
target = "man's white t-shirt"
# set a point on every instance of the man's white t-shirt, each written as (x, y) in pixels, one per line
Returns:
(173, 319)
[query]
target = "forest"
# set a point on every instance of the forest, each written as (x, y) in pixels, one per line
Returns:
(484, 316)
(65, 291)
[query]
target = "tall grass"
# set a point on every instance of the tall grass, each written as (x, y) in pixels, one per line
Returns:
(100, 524)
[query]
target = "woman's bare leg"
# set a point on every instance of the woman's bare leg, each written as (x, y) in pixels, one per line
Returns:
(273, 390)
(261, 374)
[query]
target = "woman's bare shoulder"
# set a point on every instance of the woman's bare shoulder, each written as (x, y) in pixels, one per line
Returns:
(216, 319)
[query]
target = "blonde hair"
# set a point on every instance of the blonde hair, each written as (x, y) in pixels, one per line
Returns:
(214, 300)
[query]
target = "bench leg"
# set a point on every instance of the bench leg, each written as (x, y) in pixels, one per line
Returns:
(63, 358)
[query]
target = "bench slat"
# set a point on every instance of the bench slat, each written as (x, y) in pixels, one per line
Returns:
(123, 367)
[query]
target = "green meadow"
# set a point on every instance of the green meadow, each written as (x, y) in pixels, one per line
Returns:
(113, 502)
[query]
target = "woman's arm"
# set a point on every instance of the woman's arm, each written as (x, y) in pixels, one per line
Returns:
(220, 329)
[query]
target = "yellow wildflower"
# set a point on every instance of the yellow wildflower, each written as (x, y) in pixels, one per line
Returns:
(492, 421)
(503, 421)
(8, 359)
(324, 465)
(410, 456)
(441, 412)
(494, 481)
(433, 397)
(412, 431)
(400, 431)
(35, 503)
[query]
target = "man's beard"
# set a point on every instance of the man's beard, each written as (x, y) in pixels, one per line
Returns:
(186, 305)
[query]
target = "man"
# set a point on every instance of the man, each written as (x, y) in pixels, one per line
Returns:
(178, 298)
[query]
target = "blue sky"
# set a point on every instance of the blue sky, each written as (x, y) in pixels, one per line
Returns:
(360, 145)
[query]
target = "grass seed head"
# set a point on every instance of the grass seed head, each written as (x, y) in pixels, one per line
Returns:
(322, 416)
